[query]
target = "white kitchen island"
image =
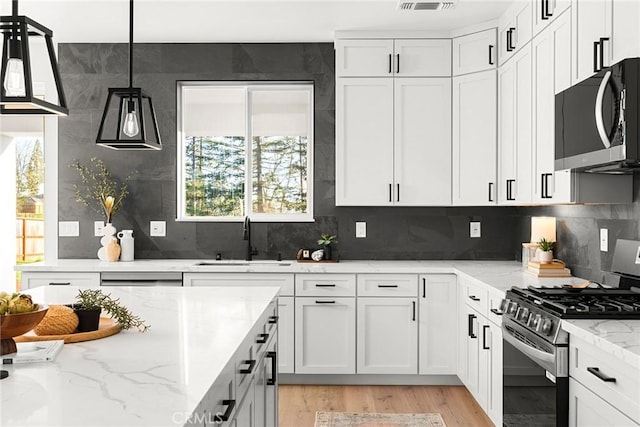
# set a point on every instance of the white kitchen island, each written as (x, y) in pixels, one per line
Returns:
(198, 337)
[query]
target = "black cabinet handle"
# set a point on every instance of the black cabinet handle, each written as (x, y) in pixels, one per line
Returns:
(544, 7)
(273, 319)
(274, 367)
(325, 302)
(497, 312)
(474, 298)
(470, 330)
(413, 316)
(491, 54)
(510, 189)
(491, 191)
(397, 63)
(602, 40)
(251, 363)
(397, 192)
(59, 283)
(511, 44)
(508, 43)
(545, 185)
(325, 285)
(595, 56)
(387, 286)
(484, 337)
(424, 287)
(549, 14)
(600, 375)
(262, 338)
(390, 70)
(230, 404)
(390, 191)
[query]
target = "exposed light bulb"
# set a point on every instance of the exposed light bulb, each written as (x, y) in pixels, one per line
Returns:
(14, 78)
(131, 127)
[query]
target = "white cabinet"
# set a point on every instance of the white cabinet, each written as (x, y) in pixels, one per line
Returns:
(393, 141)
(325, 335)
(475, 52)
(438, 313)
(546, 11)
(591, 37)
(282, 280)
(387, 58)
(625, 31)
(286, 345)
(474, 139)
(514, 30)
(468, 350)
(387, 335)
(586, 409)
(266, 389)
(32, 279)
(494, 372)
(514, 129)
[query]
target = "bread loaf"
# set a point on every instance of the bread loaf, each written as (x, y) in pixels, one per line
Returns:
(59, 320)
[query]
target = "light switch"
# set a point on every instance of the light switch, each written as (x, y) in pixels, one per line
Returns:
(361, 230)
(98, 228)
(604, 240)
(474, 229)
(157, 228)
(68, 228)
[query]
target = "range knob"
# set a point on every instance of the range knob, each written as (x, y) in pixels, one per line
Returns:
(547, 325)
(513, 306)
(531, 320)
(504, 304)
(523, 314)
(536, 321)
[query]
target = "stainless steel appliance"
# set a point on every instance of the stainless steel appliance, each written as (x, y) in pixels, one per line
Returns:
(535, 347)
(596, 121)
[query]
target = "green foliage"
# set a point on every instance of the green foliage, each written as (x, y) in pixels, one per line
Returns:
(545, 245)
(327, 240)
(94, 298)
(97, 185)
(34, 174)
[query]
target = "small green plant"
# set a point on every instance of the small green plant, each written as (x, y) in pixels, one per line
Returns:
(91, 299)
(327, 240)
(545, 245)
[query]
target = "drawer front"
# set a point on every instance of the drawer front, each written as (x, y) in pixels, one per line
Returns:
(267, 329)
(246, 364)
(613, 380)
(391, 285)
(283, 281)
(495, 299)
(82, 280)
(317, 285)
(475, 295)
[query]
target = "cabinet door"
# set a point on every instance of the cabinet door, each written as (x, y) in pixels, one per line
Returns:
(551, 55)
(271, 386)
(387, 336)
(422, 58)
(515, 30)
(494, 373)
(364, 58)
(475, 52)
(546, 11)
(625, 31)
(245, 413)
(325, 335)
(422, 150)
(514, 135)
(364, 142)
(586, 409)
(592, 20)
(469, 347)
(286, 344)
(474, 139)
(438, 313)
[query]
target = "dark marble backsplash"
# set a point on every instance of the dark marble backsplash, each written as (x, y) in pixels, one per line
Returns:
(87, 71)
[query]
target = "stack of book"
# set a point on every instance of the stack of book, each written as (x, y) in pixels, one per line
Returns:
(552, 269)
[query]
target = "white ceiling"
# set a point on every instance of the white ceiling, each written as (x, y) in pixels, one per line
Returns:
(242, 20)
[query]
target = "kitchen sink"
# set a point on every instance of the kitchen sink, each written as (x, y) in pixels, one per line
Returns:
(241, 263)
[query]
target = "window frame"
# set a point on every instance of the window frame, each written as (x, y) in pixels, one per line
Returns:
(249, 87)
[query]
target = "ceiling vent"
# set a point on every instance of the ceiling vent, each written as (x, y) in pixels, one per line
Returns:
(425, 5)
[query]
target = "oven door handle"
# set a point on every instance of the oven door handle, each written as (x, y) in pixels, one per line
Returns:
(542, 358)
(599, 120)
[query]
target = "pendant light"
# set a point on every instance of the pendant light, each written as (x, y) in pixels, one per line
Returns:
(128, 113)
(17, 91)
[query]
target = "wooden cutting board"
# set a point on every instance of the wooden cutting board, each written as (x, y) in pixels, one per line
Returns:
(106, 328)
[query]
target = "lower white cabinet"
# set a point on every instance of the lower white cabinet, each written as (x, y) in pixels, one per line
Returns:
(245, 412)
(286, 349)
(587, 409)
(387, 335)
(438, 310)
(494, 373)
(266, 389)
(30, 279)
(325, 335)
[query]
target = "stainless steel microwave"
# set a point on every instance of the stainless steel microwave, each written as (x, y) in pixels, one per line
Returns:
(596, 121)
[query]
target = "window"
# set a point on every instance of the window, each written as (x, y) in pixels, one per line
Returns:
(222, 128)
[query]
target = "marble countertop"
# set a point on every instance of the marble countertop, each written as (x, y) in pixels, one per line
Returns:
(136, 379)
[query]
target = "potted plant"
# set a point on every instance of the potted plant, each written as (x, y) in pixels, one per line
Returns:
(91, 302)
(326, 240)
(545, 251)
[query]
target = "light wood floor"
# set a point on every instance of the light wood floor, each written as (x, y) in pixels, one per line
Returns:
(298, 403)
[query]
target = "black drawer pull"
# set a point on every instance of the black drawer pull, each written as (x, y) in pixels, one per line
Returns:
(230, 404)
(262, 338)
(251, 363)
(387, 286)
(470, 330)
(474, 298)
(59, 283)
(600, 375)
(390, 63)
(484, 337)
(497, 312)
(325, 285)
(325, 302)
(273, 319)
(274, 367)
(491, 54)
(413, 316)
(424, 288)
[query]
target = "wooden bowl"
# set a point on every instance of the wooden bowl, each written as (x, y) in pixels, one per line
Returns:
(13, 325)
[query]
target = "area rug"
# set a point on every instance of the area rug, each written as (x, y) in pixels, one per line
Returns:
(359, 419)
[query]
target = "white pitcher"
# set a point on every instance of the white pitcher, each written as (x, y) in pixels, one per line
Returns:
(126, 244)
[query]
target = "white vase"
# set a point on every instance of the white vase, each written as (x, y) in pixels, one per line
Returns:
(126, 244)
(108, 236)
(544, 257)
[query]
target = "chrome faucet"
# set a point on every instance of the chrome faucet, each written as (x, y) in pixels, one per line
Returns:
(246, 235)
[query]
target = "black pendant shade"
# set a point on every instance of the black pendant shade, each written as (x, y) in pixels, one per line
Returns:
(129, 120)
(16, 73)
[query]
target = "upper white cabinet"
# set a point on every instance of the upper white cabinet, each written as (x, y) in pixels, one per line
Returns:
(475, 52)
(546, 11)
(625, 30)
(388, 58)
(514, 129)
(592, 37)
(514, 30)
(474, 139)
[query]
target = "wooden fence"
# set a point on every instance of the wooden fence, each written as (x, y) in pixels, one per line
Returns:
(29, 239)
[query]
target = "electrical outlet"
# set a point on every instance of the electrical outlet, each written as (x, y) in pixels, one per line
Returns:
(604, 240)
(361, 230)
(68, 228)
(98, 228)
(474, 229)
(157, 228)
